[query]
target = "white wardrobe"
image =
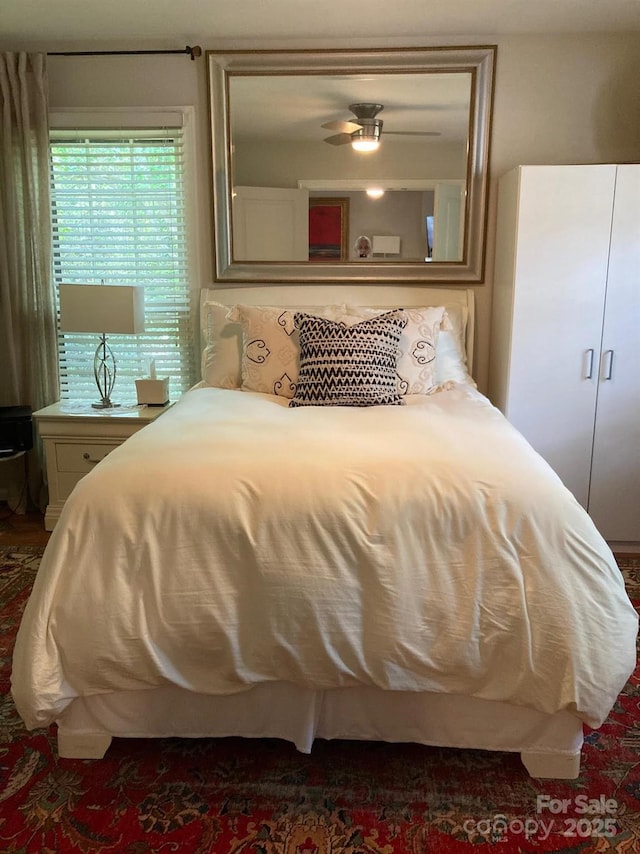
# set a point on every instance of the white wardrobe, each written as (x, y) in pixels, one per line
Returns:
(565, 337)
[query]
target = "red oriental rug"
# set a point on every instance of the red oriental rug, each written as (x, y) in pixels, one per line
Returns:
(262, 796)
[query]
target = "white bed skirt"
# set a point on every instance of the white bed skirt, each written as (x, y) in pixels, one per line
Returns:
(549, 744)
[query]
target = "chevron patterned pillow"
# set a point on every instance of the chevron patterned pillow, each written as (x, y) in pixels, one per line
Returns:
(348, 365)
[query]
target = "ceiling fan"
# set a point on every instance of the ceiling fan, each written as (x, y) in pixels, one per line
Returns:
(364, 132)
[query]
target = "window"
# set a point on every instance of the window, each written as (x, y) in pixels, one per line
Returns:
(118, 213)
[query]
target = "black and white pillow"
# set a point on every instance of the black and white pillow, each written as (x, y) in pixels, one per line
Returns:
(344, 365)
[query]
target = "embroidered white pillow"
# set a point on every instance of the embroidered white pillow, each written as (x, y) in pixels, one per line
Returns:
(451, 360)
(417, 350)
(270, 346)
(416, 367)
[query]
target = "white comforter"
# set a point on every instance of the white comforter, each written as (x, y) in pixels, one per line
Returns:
(236, 541)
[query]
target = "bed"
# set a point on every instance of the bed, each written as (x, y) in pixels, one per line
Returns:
(254, 563)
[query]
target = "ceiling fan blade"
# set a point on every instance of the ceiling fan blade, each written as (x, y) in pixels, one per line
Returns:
(412, 133)
(338, 139)
(343, 127)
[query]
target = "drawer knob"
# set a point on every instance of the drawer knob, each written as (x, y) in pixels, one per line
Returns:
(87, 456)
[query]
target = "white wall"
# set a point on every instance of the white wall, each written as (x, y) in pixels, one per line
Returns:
(397, 212)
(273, 165)
(558, 99)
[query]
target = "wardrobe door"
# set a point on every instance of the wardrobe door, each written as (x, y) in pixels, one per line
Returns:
(564, 216)
(614, 498)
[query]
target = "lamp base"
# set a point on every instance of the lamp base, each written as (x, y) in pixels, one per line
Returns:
(104, 371)
(105, 403)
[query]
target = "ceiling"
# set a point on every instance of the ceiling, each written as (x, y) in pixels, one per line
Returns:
(41, 24)
(264, 108)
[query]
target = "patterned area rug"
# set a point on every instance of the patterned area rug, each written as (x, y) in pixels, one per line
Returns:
(262, 796)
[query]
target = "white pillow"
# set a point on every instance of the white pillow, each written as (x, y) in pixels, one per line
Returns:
(271, 347)
(451, 350)
(222, 344)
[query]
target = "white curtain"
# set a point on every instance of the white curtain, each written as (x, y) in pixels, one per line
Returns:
(28, 342)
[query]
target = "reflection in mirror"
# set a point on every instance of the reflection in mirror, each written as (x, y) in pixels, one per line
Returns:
(426, 216)
(285, 129)
(422, 123)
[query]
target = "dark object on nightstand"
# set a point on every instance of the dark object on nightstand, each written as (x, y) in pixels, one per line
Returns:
(16, 430)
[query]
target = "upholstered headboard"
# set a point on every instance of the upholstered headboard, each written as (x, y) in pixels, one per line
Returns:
(380, 296)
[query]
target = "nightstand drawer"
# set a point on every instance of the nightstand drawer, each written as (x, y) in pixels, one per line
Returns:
(80, 458)
(66, 483)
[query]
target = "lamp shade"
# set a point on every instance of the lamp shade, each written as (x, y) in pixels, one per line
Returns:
(115, 309)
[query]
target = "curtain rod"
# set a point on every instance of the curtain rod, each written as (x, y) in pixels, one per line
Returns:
(194, 52)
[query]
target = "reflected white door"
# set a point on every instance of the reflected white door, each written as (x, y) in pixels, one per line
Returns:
(448, 226)
(270, 224)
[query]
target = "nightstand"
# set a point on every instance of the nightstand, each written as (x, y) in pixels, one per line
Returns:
(76, 437)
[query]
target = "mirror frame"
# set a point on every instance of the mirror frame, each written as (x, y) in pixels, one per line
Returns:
(478, 60)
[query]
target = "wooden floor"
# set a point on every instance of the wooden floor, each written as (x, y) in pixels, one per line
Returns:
(22, 529)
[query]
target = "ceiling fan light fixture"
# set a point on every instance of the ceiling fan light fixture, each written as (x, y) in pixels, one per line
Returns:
(368, 137)
(365, 144)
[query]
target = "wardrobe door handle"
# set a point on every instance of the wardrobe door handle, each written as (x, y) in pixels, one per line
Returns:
(587, 364)
(607, 364)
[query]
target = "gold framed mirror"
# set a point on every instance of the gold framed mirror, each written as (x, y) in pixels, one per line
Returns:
(283, 130)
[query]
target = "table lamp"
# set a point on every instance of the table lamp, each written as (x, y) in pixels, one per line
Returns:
(105, 309)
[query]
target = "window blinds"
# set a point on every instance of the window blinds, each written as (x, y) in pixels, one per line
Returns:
(118, 216)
